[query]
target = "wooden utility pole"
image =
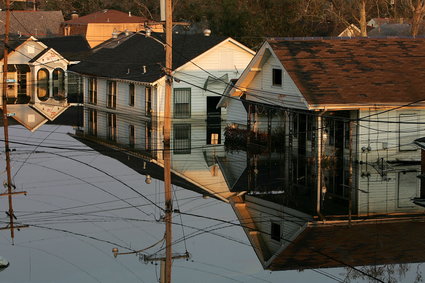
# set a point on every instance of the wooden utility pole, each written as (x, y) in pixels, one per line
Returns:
(167, 134)
(9, 193)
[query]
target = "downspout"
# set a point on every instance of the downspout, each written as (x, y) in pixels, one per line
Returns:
(319, 164)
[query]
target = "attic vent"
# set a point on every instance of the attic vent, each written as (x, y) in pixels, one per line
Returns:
(207, 32)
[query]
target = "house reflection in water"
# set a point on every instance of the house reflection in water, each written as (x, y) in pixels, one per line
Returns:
(290, 224)
(312, 187)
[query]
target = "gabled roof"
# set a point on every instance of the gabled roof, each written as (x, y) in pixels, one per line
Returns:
(107, 16)
(73, 48)
(354, 72)
(45, 51)
(36, 23)
(14, 42)
(139, 58)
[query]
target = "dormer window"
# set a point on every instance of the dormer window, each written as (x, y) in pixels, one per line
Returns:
(277, 77)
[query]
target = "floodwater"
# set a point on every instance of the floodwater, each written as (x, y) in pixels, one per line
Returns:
(81, 203)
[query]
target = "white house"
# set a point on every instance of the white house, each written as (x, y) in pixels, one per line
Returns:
(352, 106)
(36, 82)
(124, 90)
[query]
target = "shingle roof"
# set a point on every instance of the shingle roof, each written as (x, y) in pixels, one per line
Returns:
(36, 23)
(73, 48)
(357, 71)
(333, 246)
(127, 59)
(107, 16)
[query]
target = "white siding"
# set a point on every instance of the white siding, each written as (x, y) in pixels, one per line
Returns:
(264, 213)
(236, 112)
(391, 193)
(379, 135)
(261, 88)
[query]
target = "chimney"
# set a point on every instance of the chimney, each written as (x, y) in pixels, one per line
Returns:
(74, 15)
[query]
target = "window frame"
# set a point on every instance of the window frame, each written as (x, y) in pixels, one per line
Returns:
(92, 90)
(277, 77)
(111, 100)
(43, 84)
(112, 126)
(131, 136)
(92, 122)
(131, 94)
(182, 145)
(273, 226)
(182, 113)
(148, 101)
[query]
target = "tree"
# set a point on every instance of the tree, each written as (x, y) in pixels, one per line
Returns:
(417, 12)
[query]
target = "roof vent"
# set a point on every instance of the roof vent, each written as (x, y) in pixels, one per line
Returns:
(115, 34)
(207, 32)
(129, 14)
(127, 32)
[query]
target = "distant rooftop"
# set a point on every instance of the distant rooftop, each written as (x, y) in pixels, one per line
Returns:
(108, 16)
(35, 23)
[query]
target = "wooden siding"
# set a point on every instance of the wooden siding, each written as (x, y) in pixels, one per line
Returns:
(380, 135)
(261, 88)
(391, 193)
(194, 166)
(264, 213)
(226, 59)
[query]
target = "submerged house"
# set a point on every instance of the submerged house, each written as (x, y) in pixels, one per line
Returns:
(124, 91)
(36, 82)
(352, 106)
(320, 151)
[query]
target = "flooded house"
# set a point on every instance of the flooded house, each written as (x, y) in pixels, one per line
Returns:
(320, 151)
(124, 91)
(36, 82)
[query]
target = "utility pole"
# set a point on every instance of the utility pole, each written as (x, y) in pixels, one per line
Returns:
(167, 135)
(9, 193)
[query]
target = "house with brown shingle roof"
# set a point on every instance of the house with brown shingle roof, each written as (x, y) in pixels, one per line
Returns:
(343, 113)
(102, 25)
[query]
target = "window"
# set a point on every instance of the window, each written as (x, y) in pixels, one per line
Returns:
(58, 84)
(23, 97)
(148, 101)
(277, 77)
(408, 131)
(131, 91)
(275, 231)
(182, 102)
(182, 139)
(131, 136)
(92, 126)
(92, 88)
(148, 136)
(43, 84)
(74, 88)
(111, 101)
(112, 127)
